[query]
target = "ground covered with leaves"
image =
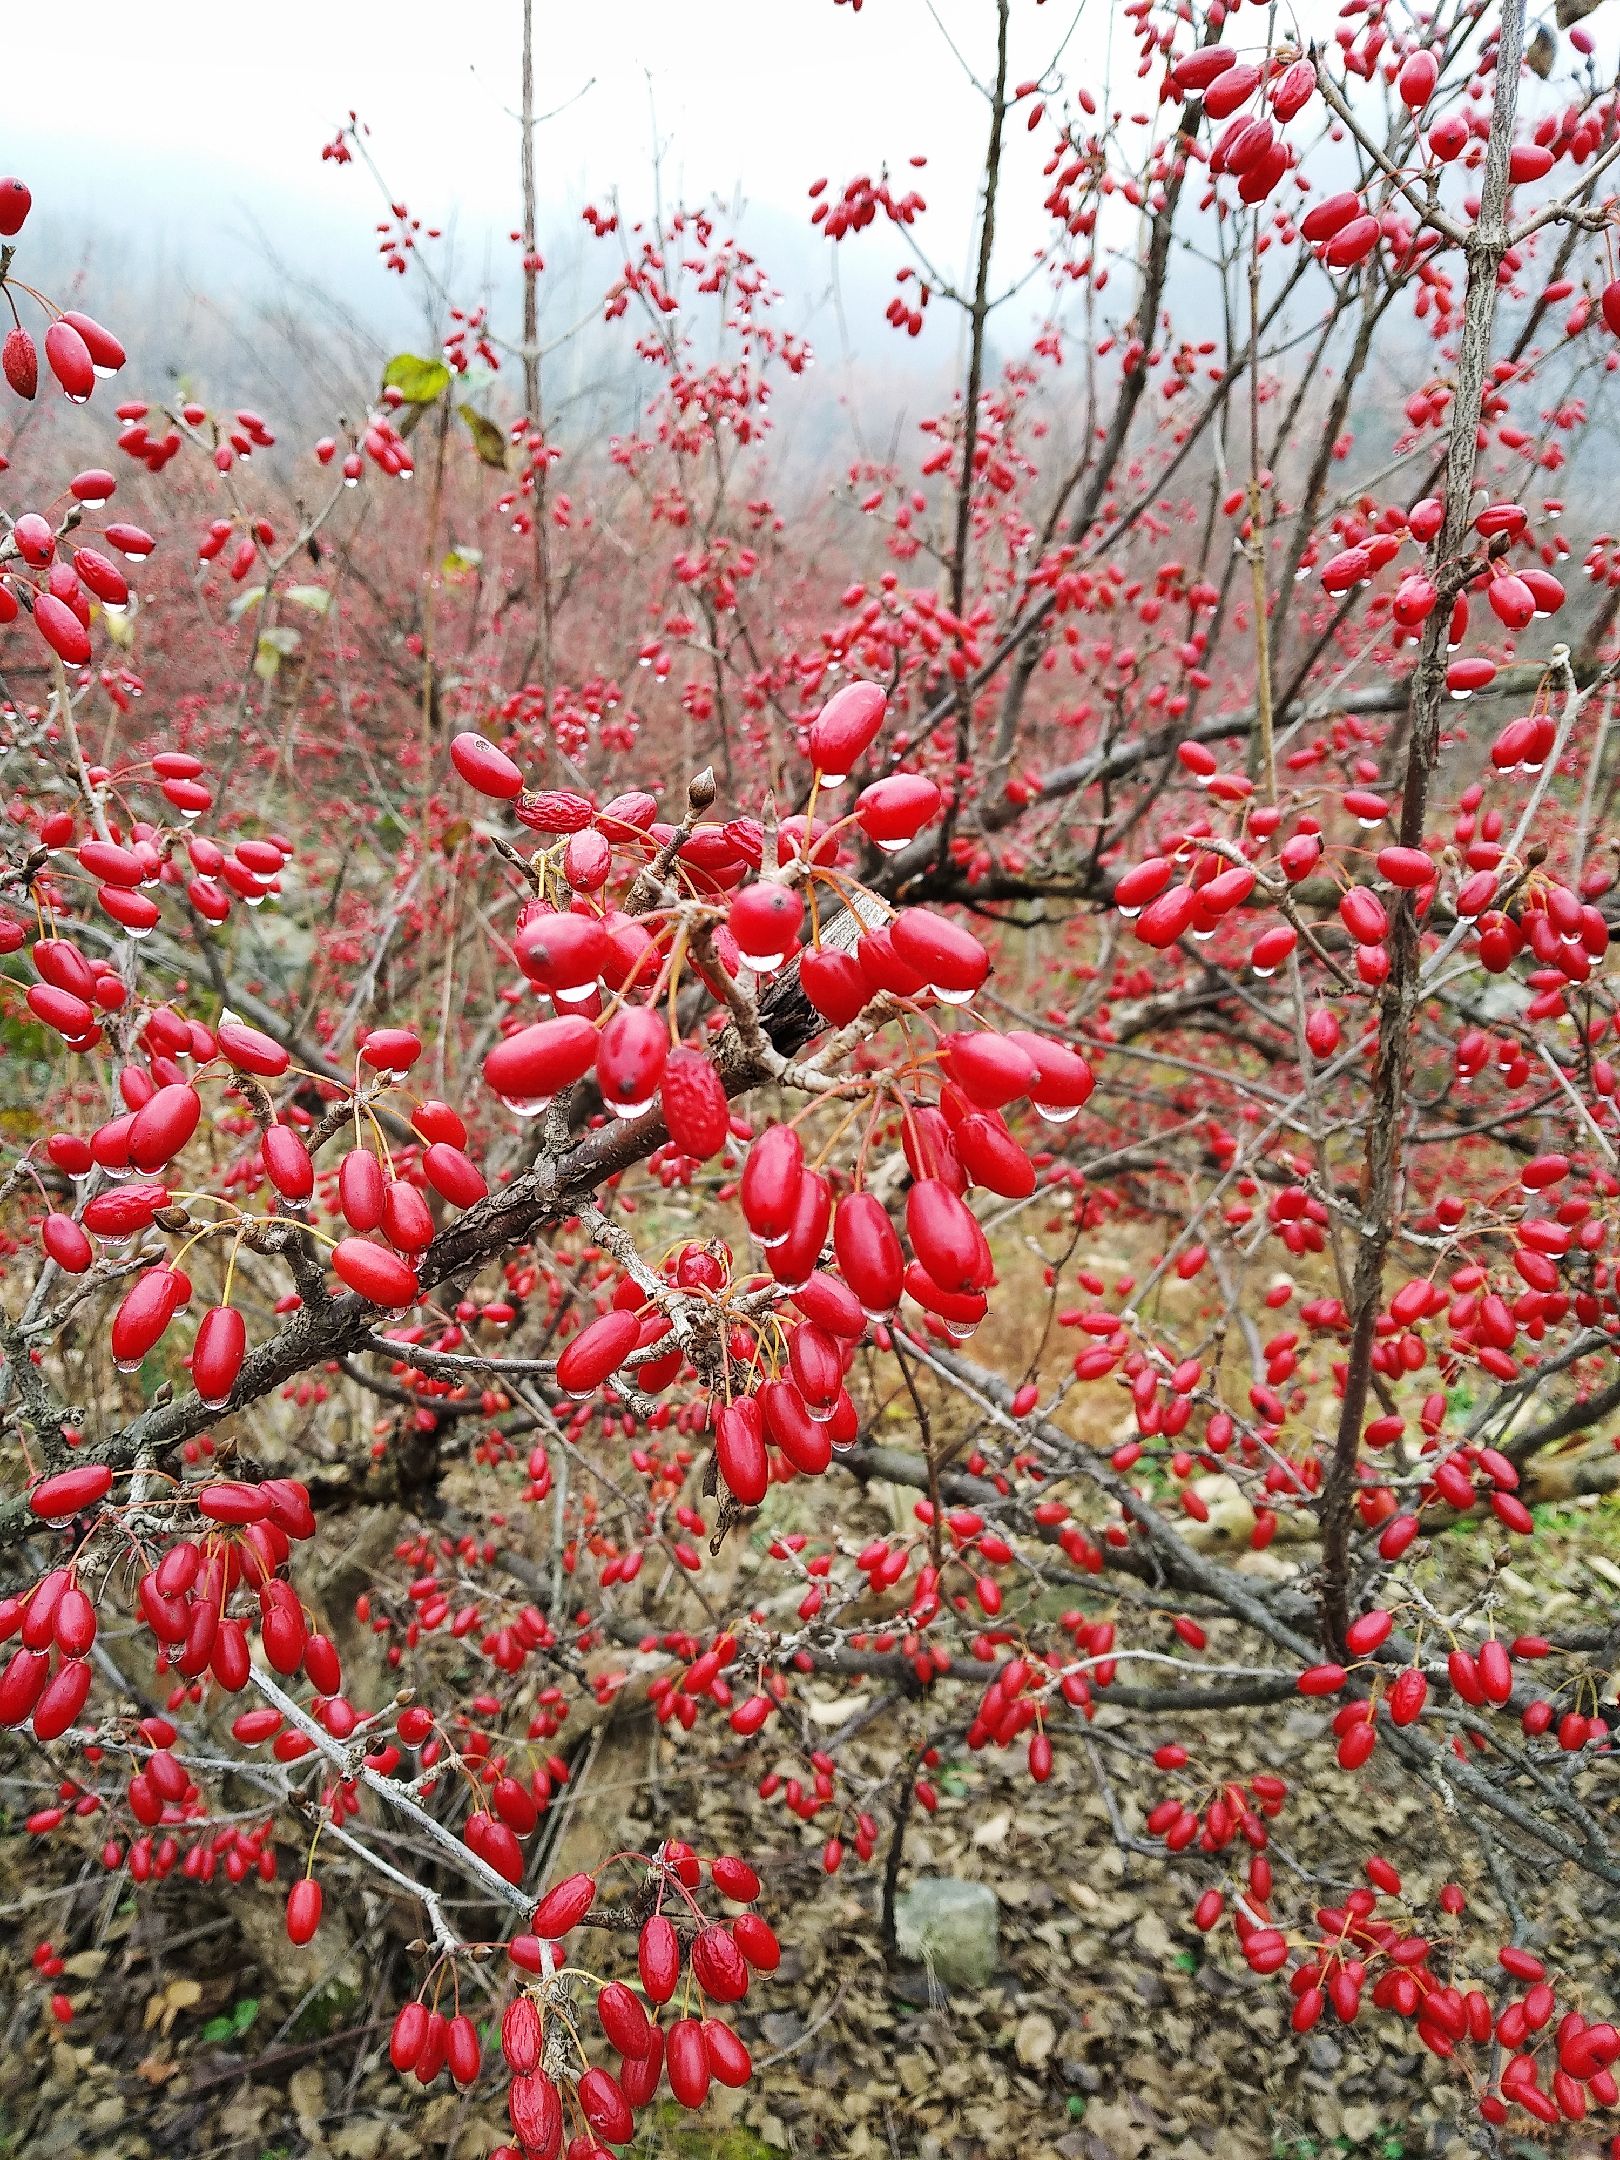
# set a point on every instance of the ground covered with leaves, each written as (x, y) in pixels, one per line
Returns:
(1110, 2030)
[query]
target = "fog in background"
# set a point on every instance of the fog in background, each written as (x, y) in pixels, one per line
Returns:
(175, 163)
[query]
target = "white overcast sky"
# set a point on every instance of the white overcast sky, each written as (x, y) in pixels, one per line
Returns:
(179, 149)
(189, 131)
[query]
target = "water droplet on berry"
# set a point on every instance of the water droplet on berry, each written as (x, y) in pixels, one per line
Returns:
(527, 1106)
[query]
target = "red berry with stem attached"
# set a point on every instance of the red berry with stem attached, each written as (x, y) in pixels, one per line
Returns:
(485, 768)
(658, 1955)
(728, 2056)
(529, 1069)
(61, 1699)
(55, 1498)
(65, 1243)
(286, 1163)
(948, 958)
(303, 1910)
(770, 1183)
(835, 983)
(379, 1276)
(144, 1314)
(107, 355)
(68, 357)
(594, 1354)
(687, 2062)
(362, 1189)
(740, 1450)
(163, 1125)
(844, 730)
(624, 2021)
(408, 2036)
(61, 629)
(564, 1906)
(251, 1050)
(216, 1356)
(463, 2053)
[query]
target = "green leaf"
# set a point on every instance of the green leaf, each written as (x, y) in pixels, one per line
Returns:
(488, 440)
(235, 2021)
(460, 560)
(245, 602)
(417, 380)
(314, 597)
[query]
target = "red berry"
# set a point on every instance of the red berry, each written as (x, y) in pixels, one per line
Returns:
(19, 358)
(15, 204)
(694, 1104)
(303, 1909)
(68, 357)
(55, 1498)
(564, 1906)
(485, 768)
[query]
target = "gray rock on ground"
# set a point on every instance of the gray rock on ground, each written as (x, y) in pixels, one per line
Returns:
(951, 1926)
